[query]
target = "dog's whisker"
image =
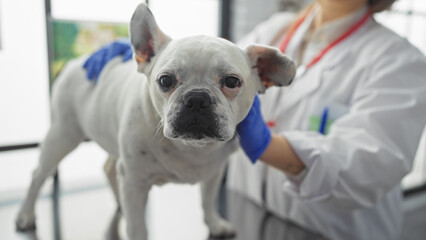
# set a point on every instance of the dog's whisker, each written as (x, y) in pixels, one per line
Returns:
(159, 128)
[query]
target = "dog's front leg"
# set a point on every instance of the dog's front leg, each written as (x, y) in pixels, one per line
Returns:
(133, 198)
(218, 226)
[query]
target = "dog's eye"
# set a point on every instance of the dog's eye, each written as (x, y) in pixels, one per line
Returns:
(166, 82)
(232, 82)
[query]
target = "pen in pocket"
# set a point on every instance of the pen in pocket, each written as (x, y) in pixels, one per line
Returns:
(323, 124)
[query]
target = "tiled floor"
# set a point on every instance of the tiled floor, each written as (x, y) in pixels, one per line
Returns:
(87, 204)
(86, 214)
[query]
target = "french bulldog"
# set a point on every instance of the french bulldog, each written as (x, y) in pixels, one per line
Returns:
(168, 116)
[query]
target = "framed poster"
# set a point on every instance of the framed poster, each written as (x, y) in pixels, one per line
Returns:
(75, 38)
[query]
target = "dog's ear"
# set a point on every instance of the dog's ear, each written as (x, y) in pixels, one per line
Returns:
(146, 37)
(271, 66)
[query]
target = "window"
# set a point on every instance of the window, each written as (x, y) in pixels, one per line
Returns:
(407, 18)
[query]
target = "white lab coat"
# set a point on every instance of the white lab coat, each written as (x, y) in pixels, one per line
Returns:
(351, 189)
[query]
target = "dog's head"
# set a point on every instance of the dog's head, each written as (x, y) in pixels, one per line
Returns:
(201, 86)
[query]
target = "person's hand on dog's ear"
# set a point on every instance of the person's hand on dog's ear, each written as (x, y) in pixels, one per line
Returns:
(96, 62)
(254, 134)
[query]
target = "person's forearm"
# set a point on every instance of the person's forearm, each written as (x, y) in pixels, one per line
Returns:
(281, 155)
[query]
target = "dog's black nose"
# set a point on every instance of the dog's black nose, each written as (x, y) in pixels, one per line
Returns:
(197, 100)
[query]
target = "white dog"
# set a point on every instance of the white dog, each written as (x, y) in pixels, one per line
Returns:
(176, 122)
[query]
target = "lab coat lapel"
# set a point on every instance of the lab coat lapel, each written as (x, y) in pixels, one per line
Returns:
(311, 79)
(301, 86)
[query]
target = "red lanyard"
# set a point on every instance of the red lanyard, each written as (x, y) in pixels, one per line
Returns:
(345, 35)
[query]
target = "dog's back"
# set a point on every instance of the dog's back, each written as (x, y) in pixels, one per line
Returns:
(91, 109)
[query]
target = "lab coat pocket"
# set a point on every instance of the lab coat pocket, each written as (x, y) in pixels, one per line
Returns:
(324, 116)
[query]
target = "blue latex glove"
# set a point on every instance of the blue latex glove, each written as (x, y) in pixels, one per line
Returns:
(96, 62)
(255, 135)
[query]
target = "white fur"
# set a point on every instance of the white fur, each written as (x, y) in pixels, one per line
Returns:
(129, 117)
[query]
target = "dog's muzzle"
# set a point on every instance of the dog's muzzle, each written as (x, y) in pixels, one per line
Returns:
(196, 119)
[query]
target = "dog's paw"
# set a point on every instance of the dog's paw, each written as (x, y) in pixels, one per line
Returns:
(25, 222)
(222, 229)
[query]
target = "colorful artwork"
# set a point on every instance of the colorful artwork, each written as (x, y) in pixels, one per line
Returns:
(72, 39)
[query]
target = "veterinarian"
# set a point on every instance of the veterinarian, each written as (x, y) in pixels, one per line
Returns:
(329, 152)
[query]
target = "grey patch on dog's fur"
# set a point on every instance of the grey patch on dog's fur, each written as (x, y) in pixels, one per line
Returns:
(30, 228)
(121, 169)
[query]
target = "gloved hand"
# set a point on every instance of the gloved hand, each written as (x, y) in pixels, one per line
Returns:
(255, 135)
(96, 62)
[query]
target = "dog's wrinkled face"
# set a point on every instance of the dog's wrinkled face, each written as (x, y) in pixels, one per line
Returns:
(201, 86)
